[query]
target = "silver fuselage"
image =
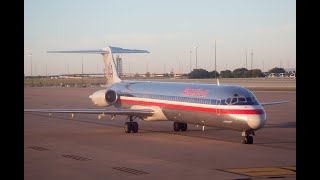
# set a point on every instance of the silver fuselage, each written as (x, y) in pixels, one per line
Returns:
(231, 107)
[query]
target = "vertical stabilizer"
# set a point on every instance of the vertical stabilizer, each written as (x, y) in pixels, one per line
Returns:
(111, 71)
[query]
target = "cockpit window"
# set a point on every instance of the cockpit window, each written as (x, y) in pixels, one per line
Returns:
(228, 101)
(242, 99)
(251, 99)
(236, 99)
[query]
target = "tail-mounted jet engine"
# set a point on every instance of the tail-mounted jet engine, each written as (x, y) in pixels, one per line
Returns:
(104, 97)
(111, 96)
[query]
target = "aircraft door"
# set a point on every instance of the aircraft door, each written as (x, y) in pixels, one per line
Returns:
(218, 106)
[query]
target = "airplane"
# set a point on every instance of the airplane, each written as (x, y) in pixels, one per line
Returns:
(214, 105)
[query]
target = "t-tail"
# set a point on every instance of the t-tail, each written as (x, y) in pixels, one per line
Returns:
(107, 55)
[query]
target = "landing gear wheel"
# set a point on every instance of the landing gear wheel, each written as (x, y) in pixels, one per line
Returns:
(245, 141)
(176, 126)
(135, 127)
(127, 127)
(250, 139)
(183, 126)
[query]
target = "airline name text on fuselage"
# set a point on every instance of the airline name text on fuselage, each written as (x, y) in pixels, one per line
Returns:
(195, 92)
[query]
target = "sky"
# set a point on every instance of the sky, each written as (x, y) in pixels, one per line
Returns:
(169, 29)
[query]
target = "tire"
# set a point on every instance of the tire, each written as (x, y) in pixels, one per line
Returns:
(183, 126)
(176, 126)
(245, 141)
(127, 127)
(250, 140)
(135, 127)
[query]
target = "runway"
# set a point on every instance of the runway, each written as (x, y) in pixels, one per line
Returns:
(83, 147)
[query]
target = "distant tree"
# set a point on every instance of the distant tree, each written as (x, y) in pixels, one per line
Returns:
(247, 74)
(199, 74)
(147, 74)
(254, 73)
(277, 70)
(257, 73)
(166, 75)
(226, 74)
(213, 74)
(240, 73)
(136, 75)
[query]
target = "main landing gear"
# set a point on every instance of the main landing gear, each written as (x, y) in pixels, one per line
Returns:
(180, 126)
(131, 126)
(248, 139)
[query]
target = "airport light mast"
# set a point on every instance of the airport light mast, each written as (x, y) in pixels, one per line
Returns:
(246, 58)
(251, 63)
(190, 59)
(82, 71)
(215, 59)
(196, 57)
(251, 59)
(31, 67)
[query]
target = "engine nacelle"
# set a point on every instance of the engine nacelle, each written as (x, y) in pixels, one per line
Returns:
(111, 96)
(104, 97)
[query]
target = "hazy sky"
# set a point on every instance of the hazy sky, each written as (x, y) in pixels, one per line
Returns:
(169, 29)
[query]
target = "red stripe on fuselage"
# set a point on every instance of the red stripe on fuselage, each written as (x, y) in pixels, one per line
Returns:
(194, 108)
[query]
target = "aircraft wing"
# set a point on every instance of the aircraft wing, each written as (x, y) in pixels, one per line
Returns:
(273, 103)
(132, 112)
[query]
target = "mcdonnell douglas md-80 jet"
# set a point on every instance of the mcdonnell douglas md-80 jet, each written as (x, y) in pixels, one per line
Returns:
(226, 106)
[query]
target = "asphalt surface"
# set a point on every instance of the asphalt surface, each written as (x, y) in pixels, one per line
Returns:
(83, 147)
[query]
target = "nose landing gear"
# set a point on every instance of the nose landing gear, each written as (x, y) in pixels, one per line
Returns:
(248, 139)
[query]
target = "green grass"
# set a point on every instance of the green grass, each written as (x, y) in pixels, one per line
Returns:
(59, 81)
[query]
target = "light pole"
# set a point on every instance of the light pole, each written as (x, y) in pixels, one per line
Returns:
(215, 59)
(190, 60)
(251, 59)
(82, 72)
(246, 58)
(31, 67)
(196, 57)
(251, 63)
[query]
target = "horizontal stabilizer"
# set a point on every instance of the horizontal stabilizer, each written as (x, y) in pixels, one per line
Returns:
(121, 50)
(114, 50)
(273, 103)
(98, 51)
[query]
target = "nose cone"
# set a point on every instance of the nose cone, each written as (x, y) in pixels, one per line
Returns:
(256, 121)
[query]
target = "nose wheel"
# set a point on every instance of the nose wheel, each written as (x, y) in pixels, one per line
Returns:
(131, 126)
(248, 139)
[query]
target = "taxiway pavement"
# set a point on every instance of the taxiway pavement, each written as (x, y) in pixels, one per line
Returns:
(83, 147)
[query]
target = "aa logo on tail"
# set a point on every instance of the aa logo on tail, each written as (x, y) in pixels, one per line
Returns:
(109, 71)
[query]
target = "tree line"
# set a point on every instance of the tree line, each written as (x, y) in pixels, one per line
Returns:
(237, 73)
